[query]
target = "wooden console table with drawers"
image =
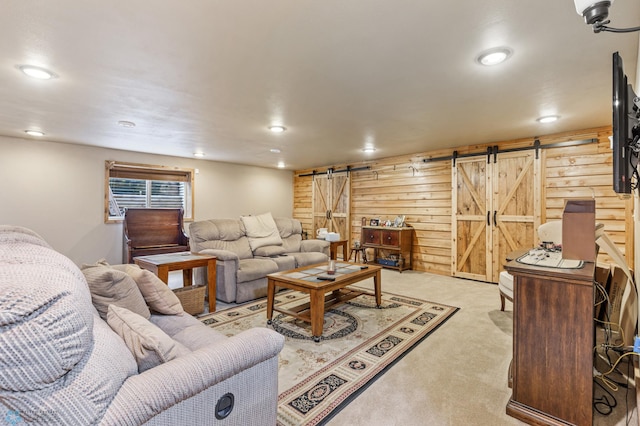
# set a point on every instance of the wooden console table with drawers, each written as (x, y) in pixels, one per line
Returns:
(394, 243)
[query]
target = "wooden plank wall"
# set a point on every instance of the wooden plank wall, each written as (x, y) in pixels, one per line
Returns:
(585, 172)
(422, 192)
(303, 202)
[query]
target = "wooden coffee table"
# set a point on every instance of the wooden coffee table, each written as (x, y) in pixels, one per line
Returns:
(161, 264)
(315, 281)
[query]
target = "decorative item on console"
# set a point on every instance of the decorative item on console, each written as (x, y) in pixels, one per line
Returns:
(332, 236)
(550, 246)
(321, 233)
(398, 222)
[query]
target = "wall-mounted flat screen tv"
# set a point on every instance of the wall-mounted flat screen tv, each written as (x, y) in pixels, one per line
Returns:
(625, 129)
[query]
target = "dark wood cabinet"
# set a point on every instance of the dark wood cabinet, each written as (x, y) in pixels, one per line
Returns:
(392, 246)
(153, 231)
(553, 340)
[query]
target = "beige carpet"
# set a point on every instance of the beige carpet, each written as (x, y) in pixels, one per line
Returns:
(359, 343)
(457, 376)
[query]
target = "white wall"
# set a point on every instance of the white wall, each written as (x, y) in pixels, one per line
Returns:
(637, 83)
(57, 190)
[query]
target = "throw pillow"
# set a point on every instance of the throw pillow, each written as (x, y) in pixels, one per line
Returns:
(110, 286)
(269, 251)
(261, 231)
(149, 345)
(157, 294)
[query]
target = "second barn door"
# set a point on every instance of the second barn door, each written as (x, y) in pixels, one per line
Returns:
(331, 200)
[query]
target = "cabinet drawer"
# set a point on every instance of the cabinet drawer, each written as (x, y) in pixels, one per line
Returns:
(371, 236)
(390, 238)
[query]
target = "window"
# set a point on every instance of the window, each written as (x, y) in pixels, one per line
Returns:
(129, 185)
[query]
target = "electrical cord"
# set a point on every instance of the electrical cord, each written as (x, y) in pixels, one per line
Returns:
(605, 297)
(609, 382)
(609, 324)
(602, 292)
(634, 150)
(607, 401)
(626, 397)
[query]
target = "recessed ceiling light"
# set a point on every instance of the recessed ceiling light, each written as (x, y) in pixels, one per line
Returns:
(127, 124)
(37, 72)
(34, 133)
(277, 129)
(275, 150)
(494, 56)
(368, 149)
(548, 119)
(281, 165)
(198, 154)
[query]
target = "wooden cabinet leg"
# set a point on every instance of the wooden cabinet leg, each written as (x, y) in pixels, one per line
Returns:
(187, 275)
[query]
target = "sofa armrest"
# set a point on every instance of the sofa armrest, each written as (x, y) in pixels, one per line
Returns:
(227, 264)
(220, 254)
(145, 395)
(320, 246)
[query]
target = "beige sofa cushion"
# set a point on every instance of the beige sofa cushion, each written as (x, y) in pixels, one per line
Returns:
(43, 334)
(254, 269)
(189, 331)
(291, 234)
(110, 286)
(149, 345)
(269, 251)
(157, 294)
(221, 234)
(261, 231)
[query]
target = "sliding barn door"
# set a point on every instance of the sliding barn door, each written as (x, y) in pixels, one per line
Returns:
(471, 205)
(331, 200)
(496, 210)
(515, 215)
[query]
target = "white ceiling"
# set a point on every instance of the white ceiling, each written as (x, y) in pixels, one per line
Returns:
(211, 76)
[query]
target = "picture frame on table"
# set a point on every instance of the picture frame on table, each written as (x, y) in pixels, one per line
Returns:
(374, 222)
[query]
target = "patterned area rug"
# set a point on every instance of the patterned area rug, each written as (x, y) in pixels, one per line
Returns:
(359, 343)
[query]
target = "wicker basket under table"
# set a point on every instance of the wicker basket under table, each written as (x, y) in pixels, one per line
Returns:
(191, 298)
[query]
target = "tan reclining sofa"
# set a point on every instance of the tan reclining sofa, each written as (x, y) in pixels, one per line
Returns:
(246, 254)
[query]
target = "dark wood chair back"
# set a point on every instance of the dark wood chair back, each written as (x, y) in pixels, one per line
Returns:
(153, 231)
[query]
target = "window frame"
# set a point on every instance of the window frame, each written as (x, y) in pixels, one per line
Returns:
(150, 172)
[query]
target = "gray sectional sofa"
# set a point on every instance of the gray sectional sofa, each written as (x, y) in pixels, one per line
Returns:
(62, 363)
(245, 255)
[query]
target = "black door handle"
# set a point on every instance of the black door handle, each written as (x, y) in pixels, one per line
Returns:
(495, 221)
(488, 218)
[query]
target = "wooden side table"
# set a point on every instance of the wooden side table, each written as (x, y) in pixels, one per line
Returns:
(161, 264)
(333, 249)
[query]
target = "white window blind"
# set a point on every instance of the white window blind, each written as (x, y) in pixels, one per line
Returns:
(140, 186)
